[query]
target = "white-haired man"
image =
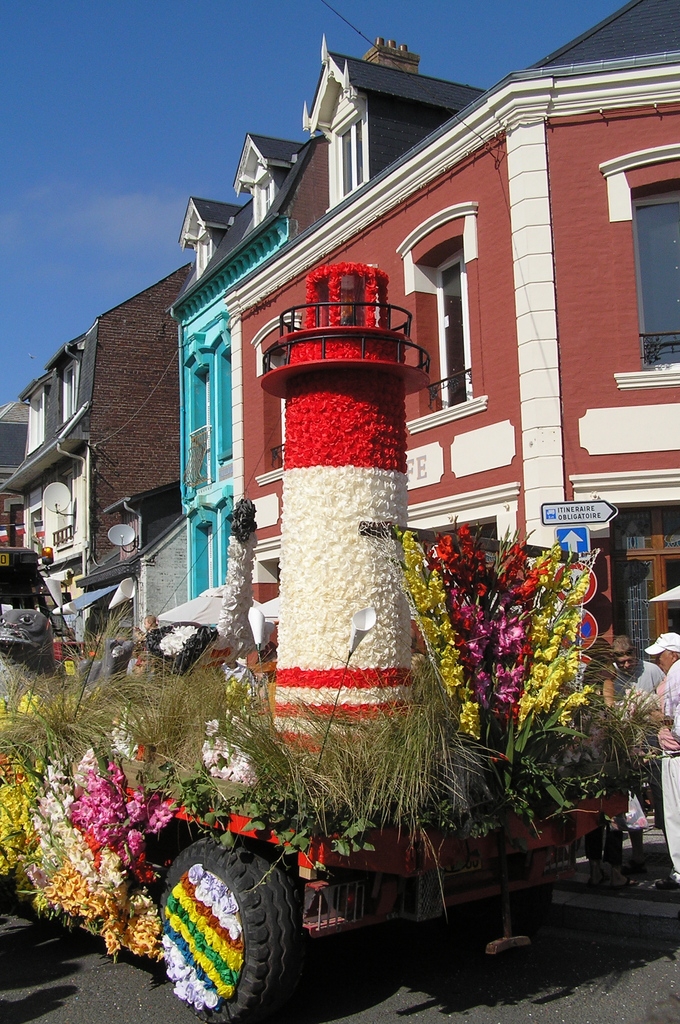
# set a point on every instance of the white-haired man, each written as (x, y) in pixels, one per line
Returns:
(666, 649)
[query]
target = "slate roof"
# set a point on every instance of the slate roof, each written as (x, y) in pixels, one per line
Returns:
(640, 29)
(244, 218)
(435, 92)
(276, 149)
(214, 212)
(12, 443)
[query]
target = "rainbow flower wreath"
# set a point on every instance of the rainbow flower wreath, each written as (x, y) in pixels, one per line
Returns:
(203, 939)
(84, 851)
(501, 630)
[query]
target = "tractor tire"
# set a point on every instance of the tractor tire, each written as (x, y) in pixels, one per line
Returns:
(259, 918)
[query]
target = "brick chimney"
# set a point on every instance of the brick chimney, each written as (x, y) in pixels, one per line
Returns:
(389, 55)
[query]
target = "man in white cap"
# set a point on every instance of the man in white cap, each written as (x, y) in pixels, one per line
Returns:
(667, 650)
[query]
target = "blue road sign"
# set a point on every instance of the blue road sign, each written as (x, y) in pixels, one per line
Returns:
(573, 538)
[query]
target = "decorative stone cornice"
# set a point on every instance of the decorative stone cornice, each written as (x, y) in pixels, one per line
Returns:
(522, 99)
(240, 263)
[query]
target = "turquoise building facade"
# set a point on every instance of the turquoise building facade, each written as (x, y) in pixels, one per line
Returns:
(206, 428)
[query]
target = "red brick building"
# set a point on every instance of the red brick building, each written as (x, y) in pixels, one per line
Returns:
(534, 236)
(103, 422)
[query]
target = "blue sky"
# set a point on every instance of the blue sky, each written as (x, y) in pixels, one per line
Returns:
(113, 113)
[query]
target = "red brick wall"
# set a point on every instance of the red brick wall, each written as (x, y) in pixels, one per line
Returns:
(482, 178)
(310, 200)
(595, 271)
(134, 424)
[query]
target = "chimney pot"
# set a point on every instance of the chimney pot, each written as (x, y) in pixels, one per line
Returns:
(391, 56)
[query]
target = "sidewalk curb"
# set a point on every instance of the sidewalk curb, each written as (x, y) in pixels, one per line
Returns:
(639, 919)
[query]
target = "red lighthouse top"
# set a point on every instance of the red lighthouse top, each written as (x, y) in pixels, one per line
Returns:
(346, 320)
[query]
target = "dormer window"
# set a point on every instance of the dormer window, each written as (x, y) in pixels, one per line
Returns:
(352, 156)
(204, 249)
(206, 222)
(69, 391)
(373, 110)
(36, 420)
(262, 169)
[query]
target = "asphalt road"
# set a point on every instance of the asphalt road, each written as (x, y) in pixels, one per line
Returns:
(384, 975)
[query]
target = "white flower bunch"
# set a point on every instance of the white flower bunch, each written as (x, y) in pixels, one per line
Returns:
(223, 761)
(173, 642)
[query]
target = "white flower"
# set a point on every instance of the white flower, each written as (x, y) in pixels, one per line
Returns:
(122, 742)
(173, 642)
(329, 570)
(88, 763)
(211, 727)
(237, 598)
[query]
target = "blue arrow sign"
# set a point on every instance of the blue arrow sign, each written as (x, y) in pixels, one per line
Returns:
(573, 538)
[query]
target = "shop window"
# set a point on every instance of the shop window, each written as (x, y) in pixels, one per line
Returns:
(646, 543)
(657, 232)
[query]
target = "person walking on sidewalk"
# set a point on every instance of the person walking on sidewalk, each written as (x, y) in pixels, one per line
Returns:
(631, 673)
(667, 650)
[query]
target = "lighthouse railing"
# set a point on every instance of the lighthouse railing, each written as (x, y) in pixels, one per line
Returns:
(312, 315)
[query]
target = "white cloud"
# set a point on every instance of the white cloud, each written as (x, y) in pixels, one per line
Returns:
(65, 217)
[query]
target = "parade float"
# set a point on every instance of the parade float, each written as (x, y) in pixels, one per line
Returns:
(427, 739)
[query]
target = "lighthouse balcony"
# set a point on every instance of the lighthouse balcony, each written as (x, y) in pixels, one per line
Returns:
(373, 335)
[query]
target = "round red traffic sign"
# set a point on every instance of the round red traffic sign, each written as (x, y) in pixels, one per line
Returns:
(587, 630)
(576, 571)
(592, 581)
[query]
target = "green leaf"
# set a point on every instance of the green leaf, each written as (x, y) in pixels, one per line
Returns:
(254, 826)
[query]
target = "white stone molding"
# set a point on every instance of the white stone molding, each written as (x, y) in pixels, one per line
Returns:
(478, 451)
(499, 503)
(267, 510)
(535, 311)
(269, 478)
(624, 430)
(512, 103)
(268, 550)
(424, 465)
(667, 376)
(257, 341)
(614, 173)
(423, 279)
(449, 415)
(636, 487)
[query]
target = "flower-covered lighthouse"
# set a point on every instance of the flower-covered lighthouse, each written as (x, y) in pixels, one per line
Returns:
(343, 363)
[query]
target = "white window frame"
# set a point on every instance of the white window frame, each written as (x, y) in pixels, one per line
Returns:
(443, 360)
(69, 390)
(36, 420)
(351, 111)
(659, 200)
(354, 167)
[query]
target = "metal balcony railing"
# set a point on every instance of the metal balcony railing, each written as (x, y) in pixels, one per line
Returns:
(63, 536)
(450, 391)
(197, 470)
(277, 456)
(660, 348)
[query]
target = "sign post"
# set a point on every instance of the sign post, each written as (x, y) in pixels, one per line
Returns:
(590, 513)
